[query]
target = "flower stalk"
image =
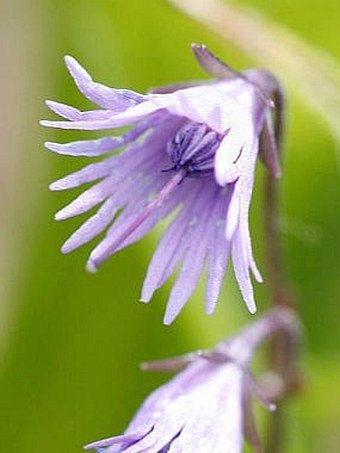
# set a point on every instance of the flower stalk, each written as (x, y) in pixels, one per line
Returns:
(283, 351)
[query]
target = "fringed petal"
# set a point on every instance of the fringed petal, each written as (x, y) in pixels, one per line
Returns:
(99, 119)
(87, 148)
(242, 272)
(120, 442)
(116, 100)
(193, 262)
(218, 254)
(74, 114)
(86, 200)
(171, 247)
(86, 174)
(91, 148)
(92, 227)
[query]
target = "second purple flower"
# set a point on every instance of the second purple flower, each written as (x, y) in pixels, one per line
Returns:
(193, 149)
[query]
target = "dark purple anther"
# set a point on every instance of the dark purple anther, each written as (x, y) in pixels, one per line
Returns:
(193, 149)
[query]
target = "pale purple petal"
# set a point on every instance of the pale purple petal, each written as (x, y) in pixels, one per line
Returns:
(245, 186)
(168, 206)
(92, 227)
(100, 119)
(122, 441)
(160, 398)
(220, 105)
(227, 168)
(86, 200)
(88, 148)
(171, 246)
(103, 249)
(218, 254)
(220, 430)
(233, 214)
(242, 272)
(74, 114)
(110, 98)
(91, 148)
(192, 265)
(202, 409)
(86, 174)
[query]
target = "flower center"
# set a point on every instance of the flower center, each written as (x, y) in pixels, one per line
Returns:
(191, 152)
(193, 149)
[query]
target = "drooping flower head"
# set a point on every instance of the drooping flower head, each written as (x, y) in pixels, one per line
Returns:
(193, 149)
(207, 407)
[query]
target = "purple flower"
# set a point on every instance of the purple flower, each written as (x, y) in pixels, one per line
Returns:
(207, 407)
(192, 150)
(198, 410)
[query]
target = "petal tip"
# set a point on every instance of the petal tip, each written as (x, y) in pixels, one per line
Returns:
(46, 123)
(52, 146)
(78, 73)
(64, 213)
(50, 103)
(48, 145)
(91, 267)
(144, 300)
(210, 310)
(168, 319)
(68, 59)
(65, 249)
(252, 308)
(71, 63)
(53, 187)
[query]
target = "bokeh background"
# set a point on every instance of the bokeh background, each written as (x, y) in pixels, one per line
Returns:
(70, 342)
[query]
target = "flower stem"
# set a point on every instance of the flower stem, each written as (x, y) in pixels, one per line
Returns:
(280, 294)
(283, 351)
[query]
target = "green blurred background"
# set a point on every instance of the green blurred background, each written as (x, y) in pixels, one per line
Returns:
(71, 342)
